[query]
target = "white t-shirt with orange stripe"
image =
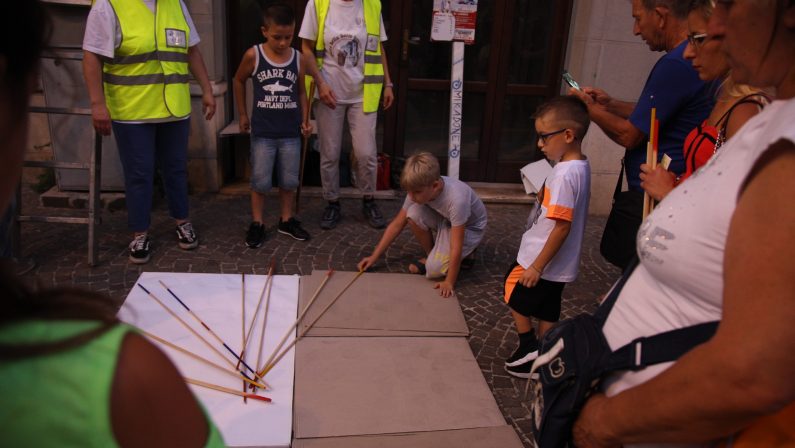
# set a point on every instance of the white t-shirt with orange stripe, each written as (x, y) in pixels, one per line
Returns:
(565, 196)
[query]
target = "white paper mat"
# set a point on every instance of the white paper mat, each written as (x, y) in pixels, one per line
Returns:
(216, 299)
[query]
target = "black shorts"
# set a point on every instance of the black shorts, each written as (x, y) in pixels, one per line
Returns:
(541, 301)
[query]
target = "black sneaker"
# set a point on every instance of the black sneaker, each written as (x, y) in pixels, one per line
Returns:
(255, 235)
(293, 228)
(187, 236)
(139, 249)
(521, 370)
(373, 214)
(331, 216)
(523, 354)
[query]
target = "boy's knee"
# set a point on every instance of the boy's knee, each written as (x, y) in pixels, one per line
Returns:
(288, 183)
(261, 184)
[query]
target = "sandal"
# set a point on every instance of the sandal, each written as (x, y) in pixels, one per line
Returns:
(419, 265)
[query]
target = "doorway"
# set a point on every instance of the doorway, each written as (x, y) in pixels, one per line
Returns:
(514, 65)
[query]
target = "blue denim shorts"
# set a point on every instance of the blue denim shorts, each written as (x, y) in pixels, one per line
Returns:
(268, 152)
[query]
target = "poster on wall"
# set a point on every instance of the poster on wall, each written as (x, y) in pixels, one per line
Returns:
(460, 15)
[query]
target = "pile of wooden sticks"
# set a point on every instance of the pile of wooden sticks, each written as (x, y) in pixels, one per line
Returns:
(238, 367)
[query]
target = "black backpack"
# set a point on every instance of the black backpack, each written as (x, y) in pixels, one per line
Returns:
(574, 357)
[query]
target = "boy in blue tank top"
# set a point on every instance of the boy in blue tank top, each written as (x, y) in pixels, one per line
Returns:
(279, 116)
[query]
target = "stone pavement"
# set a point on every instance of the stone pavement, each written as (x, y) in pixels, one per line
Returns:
(221, 222)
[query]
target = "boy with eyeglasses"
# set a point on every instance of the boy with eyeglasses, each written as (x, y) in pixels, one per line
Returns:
(549, 254)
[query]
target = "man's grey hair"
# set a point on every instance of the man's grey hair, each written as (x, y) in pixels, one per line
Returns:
(678, 8)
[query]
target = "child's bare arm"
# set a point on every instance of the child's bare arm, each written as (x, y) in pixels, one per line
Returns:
(239, 87)
(392, 231)
(446, 288)
(556, 238)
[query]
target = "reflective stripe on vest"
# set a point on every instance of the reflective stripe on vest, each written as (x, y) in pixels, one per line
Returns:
(373, 69)
(147, 79)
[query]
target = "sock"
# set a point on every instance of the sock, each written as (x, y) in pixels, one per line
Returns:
(526, 340)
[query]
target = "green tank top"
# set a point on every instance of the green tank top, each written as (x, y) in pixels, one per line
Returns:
(62, 399)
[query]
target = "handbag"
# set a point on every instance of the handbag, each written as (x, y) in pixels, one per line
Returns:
(574, 357)
(618, 238)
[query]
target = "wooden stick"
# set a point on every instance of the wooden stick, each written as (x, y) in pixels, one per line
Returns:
(259, 303)
(206, 327)
(243, 325)
(194, 332)
(242, 315)
(309, 97)
(270, 367)
(264, 323)
(646, 197)
(201, 359)
(297, 321)
(653, 140)
(226, 389)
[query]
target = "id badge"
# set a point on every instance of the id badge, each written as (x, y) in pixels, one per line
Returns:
(372, 42)
(443, 27)
(176, 38)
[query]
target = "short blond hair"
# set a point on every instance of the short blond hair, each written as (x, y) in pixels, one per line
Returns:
(421, 170)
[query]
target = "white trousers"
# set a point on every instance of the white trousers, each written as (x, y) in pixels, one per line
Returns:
(329, 130)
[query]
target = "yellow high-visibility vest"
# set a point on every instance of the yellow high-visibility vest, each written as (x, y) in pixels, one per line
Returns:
(147, 79)
(373, 69)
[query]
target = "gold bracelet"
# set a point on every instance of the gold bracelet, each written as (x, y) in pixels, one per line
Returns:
(535, 269)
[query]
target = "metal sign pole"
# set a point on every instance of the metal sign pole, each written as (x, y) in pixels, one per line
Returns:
(456, 110)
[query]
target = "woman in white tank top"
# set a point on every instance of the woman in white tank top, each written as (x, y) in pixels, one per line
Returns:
(720, 247)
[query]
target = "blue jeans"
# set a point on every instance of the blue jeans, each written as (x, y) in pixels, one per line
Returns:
(268, 152)
(143, 145)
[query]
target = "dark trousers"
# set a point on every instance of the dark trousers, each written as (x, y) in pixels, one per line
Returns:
(141, 148)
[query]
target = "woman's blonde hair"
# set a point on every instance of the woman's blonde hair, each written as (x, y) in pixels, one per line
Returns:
(420, 171)
(734, 90)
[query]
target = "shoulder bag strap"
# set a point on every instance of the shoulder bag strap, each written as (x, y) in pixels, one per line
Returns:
(663, 347)
(620, 181)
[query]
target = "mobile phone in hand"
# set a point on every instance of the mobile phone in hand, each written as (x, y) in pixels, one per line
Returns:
(570, 81)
